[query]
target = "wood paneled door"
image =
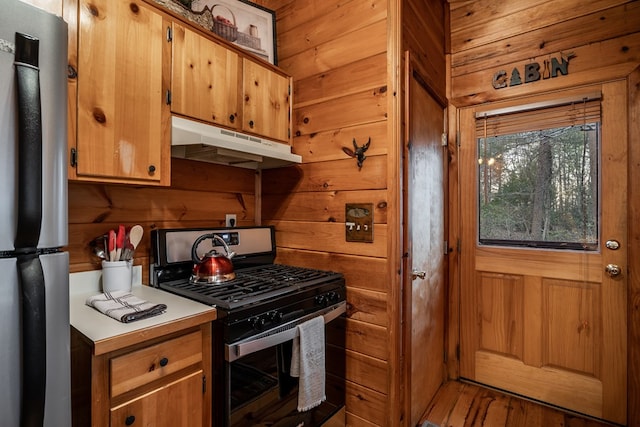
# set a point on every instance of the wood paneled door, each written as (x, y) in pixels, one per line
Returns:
(543, 310)
(424, 296)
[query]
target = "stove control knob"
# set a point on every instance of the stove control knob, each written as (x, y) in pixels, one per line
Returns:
(275, 316)
(258, 322)
(322, 300)
(333, 296)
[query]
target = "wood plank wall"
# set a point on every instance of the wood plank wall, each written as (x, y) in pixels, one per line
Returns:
(424, 33)
(339, 54)
(336, 52)
(604, 37)
(487, 36)
(200, 195)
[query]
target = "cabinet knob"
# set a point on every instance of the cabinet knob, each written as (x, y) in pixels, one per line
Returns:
(164, 361)
(130, 420)
(232, 118)
(152, 169)
(71, 72)
(251, 124)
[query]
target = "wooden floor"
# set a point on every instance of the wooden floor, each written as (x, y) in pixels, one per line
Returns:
(465, 405)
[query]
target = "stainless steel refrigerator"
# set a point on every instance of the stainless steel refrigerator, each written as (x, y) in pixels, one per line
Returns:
(34, 268)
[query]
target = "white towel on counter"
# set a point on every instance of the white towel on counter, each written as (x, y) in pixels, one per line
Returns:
(307, 363)
(124, 306)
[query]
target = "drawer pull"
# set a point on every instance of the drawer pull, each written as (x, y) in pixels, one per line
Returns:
(164, 361)
(130, 420)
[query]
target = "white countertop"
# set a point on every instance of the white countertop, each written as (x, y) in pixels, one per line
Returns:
(99, 327)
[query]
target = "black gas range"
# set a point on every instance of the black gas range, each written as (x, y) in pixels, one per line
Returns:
(258, 314)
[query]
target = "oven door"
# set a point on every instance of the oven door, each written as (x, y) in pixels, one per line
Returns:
(259, 388)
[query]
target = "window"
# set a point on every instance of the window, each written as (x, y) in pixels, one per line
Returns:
(538, 176)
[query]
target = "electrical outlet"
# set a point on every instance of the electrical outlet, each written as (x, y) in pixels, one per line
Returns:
(230, 220)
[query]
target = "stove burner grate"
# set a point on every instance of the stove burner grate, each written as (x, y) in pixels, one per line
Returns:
(252, 284)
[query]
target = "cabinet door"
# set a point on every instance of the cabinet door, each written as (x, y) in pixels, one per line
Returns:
(266, 109)
(122, 124)
(177, 404)
(205, 78)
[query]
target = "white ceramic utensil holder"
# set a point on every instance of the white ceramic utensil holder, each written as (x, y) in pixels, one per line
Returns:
(116, 275)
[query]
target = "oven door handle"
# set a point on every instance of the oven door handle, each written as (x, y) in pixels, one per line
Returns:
(265, 340)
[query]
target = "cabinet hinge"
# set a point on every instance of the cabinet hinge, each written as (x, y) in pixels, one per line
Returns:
(458, 139)
(446, 247)
(444, 139)
(169, 35)
(204, 384)
(168, 97)
(459, 246)
(73, 157)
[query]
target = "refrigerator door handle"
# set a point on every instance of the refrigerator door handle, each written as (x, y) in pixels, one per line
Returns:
(30, 273)
(29, 143)
(34, 336)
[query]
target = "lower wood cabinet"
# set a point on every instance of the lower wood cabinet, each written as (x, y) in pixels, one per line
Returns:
(174, 404)
(162, 382)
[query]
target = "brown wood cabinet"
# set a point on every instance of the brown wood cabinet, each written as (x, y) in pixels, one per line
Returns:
(205, 78)
(266, 101)
(123, 132)
(213, 83)
(158, 382)
(132, 65)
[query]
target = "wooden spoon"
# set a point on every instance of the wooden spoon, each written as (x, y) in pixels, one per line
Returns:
(135, 236)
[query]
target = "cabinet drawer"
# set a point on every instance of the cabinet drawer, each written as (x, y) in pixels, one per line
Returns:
(148, 364)
(177, 404)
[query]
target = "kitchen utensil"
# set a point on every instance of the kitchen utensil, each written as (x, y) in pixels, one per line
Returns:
(120, 236)
(135, 236)
(131, 242)
(212, 267)
(98, 247)
(112, 245)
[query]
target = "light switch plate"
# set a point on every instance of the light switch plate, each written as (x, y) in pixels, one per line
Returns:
(359, 222)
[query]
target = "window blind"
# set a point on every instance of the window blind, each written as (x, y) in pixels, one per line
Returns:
(547, 117)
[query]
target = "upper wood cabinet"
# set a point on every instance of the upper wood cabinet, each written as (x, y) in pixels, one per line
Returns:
(132, 65)
(266, 101)
(205, 78)
(213, 83)
(123, 132)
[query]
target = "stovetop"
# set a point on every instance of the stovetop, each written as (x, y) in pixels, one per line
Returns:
(263, 296)
(253, 285)
(258, 278)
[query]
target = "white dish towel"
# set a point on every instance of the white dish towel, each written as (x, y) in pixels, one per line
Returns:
(307, 363)
(124, 306)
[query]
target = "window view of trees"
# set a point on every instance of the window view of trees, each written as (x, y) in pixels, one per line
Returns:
(539, 188)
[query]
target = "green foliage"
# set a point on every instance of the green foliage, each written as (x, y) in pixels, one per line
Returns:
(508, 172)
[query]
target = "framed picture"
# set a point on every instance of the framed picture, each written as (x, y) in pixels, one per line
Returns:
(243, 23)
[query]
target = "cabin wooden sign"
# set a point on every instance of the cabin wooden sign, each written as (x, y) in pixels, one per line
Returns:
(532, 72)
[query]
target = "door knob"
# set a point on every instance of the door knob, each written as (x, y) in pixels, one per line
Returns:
(613, 270)
(613, 245)
(415, 274)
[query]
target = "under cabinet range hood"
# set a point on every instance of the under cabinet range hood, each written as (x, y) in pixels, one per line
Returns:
(199, 141)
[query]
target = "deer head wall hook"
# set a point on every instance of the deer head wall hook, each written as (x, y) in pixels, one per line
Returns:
(358, 153)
